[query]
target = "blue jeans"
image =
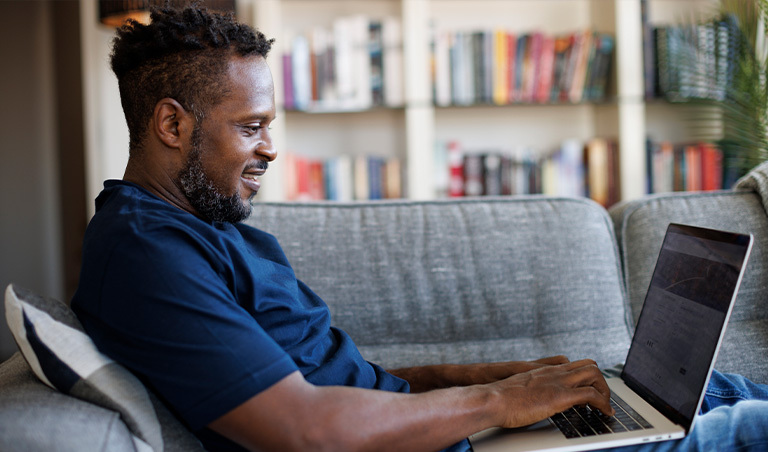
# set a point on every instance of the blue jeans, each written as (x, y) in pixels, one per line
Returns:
(734, 417)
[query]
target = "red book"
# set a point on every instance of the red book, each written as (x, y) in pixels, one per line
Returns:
(316, 185)
(302, 178)
(692, 168)
(711, 167)
(456, 169)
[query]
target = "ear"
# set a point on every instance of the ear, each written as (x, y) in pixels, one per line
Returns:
(171, 123)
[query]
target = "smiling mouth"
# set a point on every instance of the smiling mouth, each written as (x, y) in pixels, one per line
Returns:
(251, 179)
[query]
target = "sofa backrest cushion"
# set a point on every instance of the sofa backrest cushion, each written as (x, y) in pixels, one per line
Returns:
(59, 352)
(461, 280)
(640, 227)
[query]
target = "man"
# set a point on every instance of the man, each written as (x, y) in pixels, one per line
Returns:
(207, 311)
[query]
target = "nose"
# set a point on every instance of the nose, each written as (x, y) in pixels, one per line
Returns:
(266, 148)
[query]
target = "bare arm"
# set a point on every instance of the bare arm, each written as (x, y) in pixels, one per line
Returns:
(426, 378)
(295, 415)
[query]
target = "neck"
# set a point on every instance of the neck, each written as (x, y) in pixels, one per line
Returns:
(161, 183)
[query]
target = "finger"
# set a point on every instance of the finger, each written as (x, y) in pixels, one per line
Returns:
(594, 380)
(596, 400)
(582, 363)
(553, 360)
(599, 379)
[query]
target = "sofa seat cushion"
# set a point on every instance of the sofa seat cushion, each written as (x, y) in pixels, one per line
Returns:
(35, 417)
(63, 357)
(461, 280)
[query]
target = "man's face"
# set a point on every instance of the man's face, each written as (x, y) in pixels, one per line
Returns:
(232, 146)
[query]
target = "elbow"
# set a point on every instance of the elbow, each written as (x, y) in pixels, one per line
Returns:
(331, 437)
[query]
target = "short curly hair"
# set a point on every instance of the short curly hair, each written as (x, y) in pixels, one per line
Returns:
(182, 54)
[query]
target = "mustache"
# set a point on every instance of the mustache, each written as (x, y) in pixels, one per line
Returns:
(260, 165)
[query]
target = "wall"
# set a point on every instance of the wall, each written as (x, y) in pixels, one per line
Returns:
(106, 133)
(30, 240)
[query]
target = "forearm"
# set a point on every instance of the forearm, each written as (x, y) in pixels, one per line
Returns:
(426, 378)
(296, 415)
(376, 420)
(307, 417)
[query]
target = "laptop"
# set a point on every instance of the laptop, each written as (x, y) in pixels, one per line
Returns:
(670, 360)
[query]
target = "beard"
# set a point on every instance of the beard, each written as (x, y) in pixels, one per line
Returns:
(209, 202)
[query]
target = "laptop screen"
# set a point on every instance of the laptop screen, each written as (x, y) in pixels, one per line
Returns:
(687, 305)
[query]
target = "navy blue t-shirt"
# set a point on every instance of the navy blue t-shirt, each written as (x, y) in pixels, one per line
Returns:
(206, 314)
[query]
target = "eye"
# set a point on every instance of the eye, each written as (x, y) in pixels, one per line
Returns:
(252, 129)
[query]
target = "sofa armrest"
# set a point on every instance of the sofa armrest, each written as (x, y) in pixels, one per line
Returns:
(640, 227)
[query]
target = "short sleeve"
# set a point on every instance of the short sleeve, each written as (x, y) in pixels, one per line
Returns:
(165, 308)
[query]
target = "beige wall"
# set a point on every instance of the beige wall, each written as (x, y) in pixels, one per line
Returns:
(30, 244)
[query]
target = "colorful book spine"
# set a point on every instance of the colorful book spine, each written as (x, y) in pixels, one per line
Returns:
(342, 178)
(355, 64)
(692, 61)
(685, 167)
(502, 67)
(575, 169)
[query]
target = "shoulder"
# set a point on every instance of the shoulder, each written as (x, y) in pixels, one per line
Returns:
(129, 216)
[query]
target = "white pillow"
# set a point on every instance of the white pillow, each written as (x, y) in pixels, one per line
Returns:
(61, 354)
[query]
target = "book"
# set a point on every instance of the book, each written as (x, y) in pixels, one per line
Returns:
(696, 60)
(545, 73)
(585, 51)
(288, 101)
(692, 180)
(341, 178)
(492, 179)
(531, 67)
(376, 187)
(473, 175)
(354, 64)
(394, 85)
(520, 55)
(511, 65)
(478, 67)
(302, 75)
(316, 181)
(562, 52)
(344, 61)
(376, 53)
(442, 79)
(361, 58)
(685, 167)
(501, 79)
(456, 168)
(393, 179)
(649, 53)
(711, 167)
(601, 158)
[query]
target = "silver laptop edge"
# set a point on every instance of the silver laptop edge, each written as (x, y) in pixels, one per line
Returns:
(544, 437)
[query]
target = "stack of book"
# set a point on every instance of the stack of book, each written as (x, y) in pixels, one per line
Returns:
(502, 67)
(692, 61)
(576, 169)
(356, 65)
(684, 167)
(342, 178)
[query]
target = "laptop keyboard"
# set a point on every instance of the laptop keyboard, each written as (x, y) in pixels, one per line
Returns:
(582, 421)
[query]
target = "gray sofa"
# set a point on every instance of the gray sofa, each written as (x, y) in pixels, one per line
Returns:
(455, 281)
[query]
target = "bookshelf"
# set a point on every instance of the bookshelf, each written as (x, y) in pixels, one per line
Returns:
(410, 132)
(675, 119)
